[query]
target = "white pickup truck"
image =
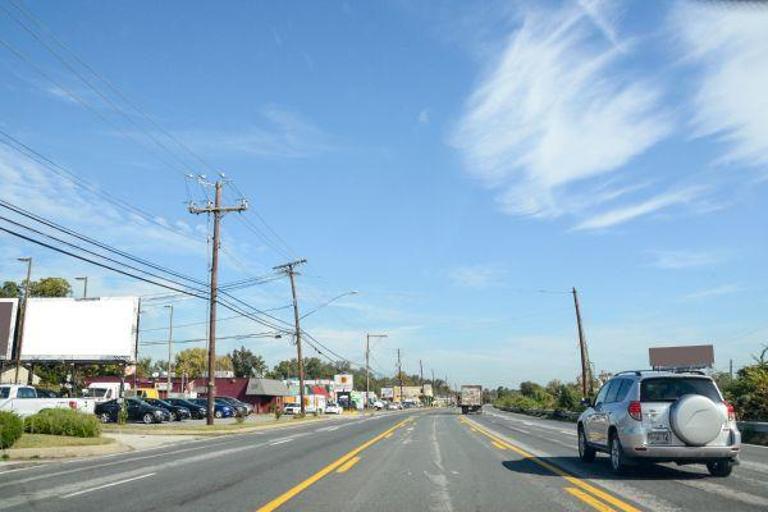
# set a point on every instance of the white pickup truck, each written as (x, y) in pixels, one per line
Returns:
(23, 400)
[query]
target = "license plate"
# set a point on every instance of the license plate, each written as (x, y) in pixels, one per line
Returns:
(658, 437)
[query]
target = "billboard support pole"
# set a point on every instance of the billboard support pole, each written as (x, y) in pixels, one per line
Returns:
(22, 314)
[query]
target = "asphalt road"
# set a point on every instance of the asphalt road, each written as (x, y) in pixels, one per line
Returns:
(413, 461)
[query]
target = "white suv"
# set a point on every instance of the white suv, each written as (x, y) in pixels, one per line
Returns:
(660, 417)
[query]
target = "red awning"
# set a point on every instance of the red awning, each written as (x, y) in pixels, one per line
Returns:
(319, 390)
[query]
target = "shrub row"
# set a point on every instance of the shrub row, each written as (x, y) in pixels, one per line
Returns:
(11, 428)
(63, 422)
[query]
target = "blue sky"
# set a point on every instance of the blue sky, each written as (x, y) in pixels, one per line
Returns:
(448, 160)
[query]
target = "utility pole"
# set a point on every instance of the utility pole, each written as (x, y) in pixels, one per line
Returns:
(368, 366)
(289, 268)
(400, 375)
(434, 389)
(421, 380)
(22, 317)
(586, 374)
(170, 348)
(218, 211)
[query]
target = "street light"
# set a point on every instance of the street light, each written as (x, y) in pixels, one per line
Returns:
(170, 345)
(84, 279)
(321, 306)
(367, 365)
(22, 314)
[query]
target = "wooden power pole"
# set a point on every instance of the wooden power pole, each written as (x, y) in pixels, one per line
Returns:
(586, 372)
(290, 269)
(400, 375)
(218, 211)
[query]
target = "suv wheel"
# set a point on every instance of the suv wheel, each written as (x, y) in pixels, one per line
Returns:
(586, 452)
(720, 468)
(618, 459)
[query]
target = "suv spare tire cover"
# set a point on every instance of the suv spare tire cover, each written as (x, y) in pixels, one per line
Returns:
(696, 419)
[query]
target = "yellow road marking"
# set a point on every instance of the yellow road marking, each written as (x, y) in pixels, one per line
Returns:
(290, 493)
(388, 435)
(589, 500)
(473, 429)
(621, 505)
(498, 445)
(345, 467)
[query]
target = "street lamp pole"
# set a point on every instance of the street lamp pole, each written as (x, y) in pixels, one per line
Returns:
(170, 347)
(22, 315)
(84, 279)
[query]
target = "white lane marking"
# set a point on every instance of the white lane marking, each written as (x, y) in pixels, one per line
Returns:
(280, 441)
(731, 494)
(328, 429)
(755, 466)
(92, 489)
(569, 432)
(441, 498)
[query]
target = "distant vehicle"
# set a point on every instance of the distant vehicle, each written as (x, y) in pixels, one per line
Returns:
(143, 393)
(138, 410)
(105, 390)
(243, 408)
(24, 401)
(291, 409)
(471, 398)
(220, 410)
(238, 408)
(393, 406)
(197, 411)
(660, 417)
(177, 412)
(332, 408)
(378, 405)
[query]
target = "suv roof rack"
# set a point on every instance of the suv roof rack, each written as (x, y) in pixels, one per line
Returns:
(661, 370)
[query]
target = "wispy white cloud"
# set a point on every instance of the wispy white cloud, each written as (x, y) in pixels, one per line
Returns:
(477, 276)
(626, 213)
(727, 45)
(683, 259)
(424, 117)
(554, 110)
(717, 291)
(282, 134)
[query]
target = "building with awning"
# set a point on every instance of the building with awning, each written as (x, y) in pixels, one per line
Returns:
(265, 394)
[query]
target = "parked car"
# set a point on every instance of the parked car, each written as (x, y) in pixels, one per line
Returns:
(220, 410)
(660, 417)
(25, 401)
(138, 410)
(378, 405)
(392, 406)
(291, 409)
(242, 408)
(177, 412)
(333, 408)
(197, 411)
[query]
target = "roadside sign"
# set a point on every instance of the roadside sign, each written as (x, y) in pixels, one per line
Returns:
(690, 357)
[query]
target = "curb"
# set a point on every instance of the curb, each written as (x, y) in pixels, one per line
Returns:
(179, 431)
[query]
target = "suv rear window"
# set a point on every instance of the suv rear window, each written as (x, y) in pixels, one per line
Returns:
(669, 389)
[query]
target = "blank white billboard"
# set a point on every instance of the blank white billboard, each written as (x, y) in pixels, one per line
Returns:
(99, 329)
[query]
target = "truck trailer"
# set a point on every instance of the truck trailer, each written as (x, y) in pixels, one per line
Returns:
(471, 398)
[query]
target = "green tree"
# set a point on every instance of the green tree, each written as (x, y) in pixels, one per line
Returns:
(144, 367)
(50, 287)
(10, 290)
(246, 364)
(193, 362)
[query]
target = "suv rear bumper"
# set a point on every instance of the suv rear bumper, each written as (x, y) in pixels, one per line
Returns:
(636, 447)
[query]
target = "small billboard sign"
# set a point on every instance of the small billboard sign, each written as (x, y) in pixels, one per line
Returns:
(343, 383)
(685, 357)
(387, 393)
(8, 309)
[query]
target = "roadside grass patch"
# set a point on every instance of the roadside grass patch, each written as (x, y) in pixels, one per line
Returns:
(63, 422)
(49, 441)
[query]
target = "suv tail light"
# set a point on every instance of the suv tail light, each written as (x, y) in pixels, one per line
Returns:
(635, 410)
(731, 411)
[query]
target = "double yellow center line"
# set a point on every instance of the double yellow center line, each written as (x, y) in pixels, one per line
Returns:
(342, 464)
(583, 491)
